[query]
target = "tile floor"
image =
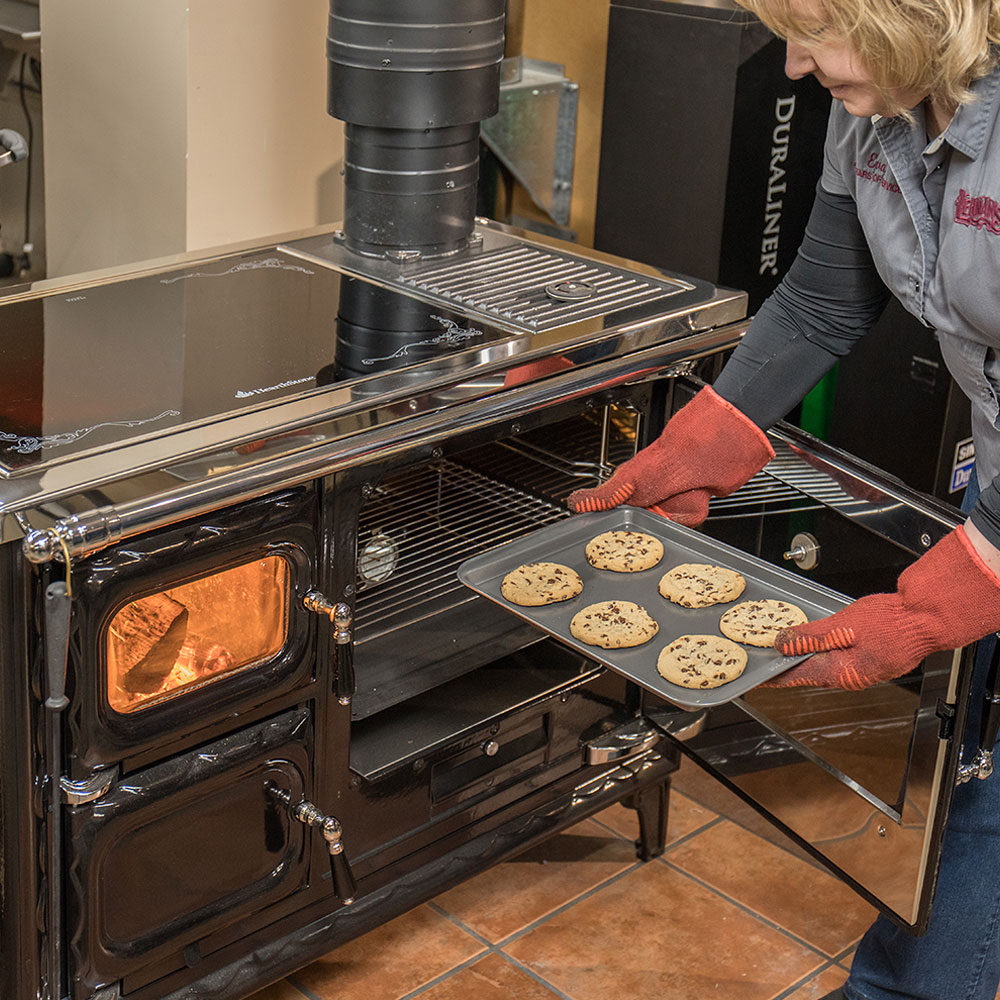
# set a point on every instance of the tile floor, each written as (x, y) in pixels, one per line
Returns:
(731, 911)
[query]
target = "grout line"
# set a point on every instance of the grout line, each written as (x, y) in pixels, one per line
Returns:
(437, 980)
(517, 935)
(692, 834)
(527, 929)
(461, 924)
(307, 993)
(534, 975)
(789, 991)
(746, 909)
(673, 843)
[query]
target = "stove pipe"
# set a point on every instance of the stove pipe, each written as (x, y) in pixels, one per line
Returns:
(412, 79)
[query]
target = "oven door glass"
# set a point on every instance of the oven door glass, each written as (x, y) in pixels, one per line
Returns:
(159, 646)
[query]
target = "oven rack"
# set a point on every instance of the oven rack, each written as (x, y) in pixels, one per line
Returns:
(419, 526)
(786, 485)
(421, 523)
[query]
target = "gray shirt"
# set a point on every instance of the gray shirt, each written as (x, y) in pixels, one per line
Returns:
(893, 212)
(930, 212)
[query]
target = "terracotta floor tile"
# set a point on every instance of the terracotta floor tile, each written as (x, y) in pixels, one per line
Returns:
(684, 817)
(391, 960)
(279, 991)
(818, 988)
(491, 978)
(657, 935)
(519, 892)
(776, 884)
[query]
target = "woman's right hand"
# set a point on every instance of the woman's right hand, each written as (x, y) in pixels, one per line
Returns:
(708, 449)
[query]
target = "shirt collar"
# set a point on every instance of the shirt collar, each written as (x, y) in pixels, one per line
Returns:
(969, 129)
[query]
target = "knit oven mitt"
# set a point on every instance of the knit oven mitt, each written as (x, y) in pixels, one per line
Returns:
(708, 449)
(949, 597)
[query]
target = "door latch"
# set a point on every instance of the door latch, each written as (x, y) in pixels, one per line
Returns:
(345, 885)
(342, 618)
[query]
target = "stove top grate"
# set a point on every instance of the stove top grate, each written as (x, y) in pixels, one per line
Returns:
(536, 288)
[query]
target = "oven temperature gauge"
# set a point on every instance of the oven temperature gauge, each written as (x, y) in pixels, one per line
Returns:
(377, 559)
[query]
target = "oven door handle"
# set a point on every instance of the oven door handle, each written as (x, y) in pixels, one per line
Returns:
(341, 617)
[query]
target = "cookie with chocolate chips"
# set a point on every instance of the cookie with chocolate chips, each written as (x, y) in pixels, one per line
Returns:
(757, 623)
(701, 661)
(613, 625)
(624, 551)
(537, 583)
(700, 585)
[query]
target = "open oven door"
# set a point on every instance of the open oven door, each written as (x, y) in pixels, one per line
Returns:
(861, 779)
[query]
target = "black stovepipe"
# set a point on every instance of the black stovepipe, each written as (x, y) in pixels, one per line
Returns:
(412, 79)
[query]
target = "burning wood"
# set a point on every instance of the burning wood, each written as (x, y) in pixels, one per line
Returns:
(147, 636)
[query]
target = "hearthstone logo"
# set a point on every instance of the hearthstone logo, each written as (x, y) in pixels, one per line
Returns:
(979, 211)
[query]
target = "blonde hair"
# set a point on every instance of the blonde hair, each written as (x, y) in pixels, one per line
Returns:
(935, 47)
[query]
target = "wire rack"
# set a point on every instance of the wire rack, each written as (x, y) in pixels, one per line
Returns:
(419, 526)
(421, 523)
(787, 484)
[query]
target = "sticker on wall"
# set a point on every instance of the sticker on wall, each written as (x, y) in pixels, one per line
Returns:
(961, 469)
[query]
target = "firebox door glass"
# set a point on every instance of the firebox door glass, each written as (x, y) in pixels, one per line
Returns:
(159, 646)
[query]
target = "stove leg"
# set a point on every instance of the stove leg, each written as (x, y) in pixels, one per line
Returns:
(651, 805)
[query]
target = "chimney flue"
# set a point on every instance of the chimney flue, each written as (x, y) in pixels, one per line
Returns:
(412, 79)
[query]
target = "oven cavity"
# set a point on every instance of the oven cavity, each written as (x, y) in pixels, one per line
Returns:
(416, 526)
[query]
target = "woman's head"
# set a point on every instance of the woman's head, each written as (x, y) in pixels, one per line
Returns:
(893, 52)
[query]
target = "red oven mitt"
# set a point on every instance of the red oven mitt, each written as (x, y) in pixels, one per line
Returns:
(708, 449)
(949, 597)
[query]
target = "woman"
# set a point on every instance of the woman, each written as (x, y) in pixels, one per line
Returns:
(908, 204)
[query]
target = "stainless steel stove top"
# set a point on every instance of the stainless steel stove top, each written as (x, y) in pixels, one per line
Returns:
(190, 368)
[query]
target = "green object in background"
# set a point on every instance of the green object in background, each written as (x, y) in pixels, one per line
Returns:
(818, 406)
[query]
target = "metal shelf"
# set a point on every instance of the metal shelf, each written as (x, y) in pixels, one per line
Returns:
(20, 27)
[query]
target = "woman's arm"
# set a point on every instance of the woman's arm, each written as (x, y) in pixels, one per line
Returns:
(828, 300)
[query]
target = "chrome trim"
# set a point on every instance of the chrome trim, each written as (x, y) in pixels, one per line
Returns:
(675, 722)
(635, 737)
(78, 793)
(343, 446)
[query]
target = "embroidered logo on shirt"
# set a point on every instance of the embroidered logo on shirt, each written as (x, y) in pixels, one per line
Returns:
(874, 171)
(977, 210)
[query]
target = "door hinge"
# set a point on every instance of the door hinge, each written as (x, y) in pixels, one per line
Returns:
(946, 713)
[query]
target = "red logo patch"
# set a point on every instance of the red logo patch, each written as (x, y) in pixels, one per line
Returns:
(979, 211)
(874, 171)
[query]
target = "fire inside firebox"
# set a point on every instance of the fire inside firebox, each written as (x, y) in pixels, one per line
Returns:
(190, 635)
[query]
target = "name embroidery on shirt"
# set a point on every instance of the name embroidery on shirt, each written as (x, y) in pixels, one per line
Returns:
(978, 211)
(874, 171)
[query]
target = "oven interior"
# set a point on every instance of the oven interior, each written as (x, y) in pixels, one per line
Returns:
(862, 765)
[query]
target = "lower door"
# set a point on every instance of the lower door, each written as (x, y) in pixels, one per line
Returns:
(174, 861)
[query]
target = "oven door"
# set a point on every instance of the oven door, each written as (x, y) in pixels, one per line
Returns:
(861, 779)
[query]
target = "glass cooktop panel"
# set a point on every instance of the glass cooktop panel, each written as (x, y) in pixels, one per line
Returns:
(96, 367)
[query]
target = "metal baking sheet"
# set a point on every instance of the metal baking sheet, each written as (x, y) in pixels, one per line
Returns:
(564, 542)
